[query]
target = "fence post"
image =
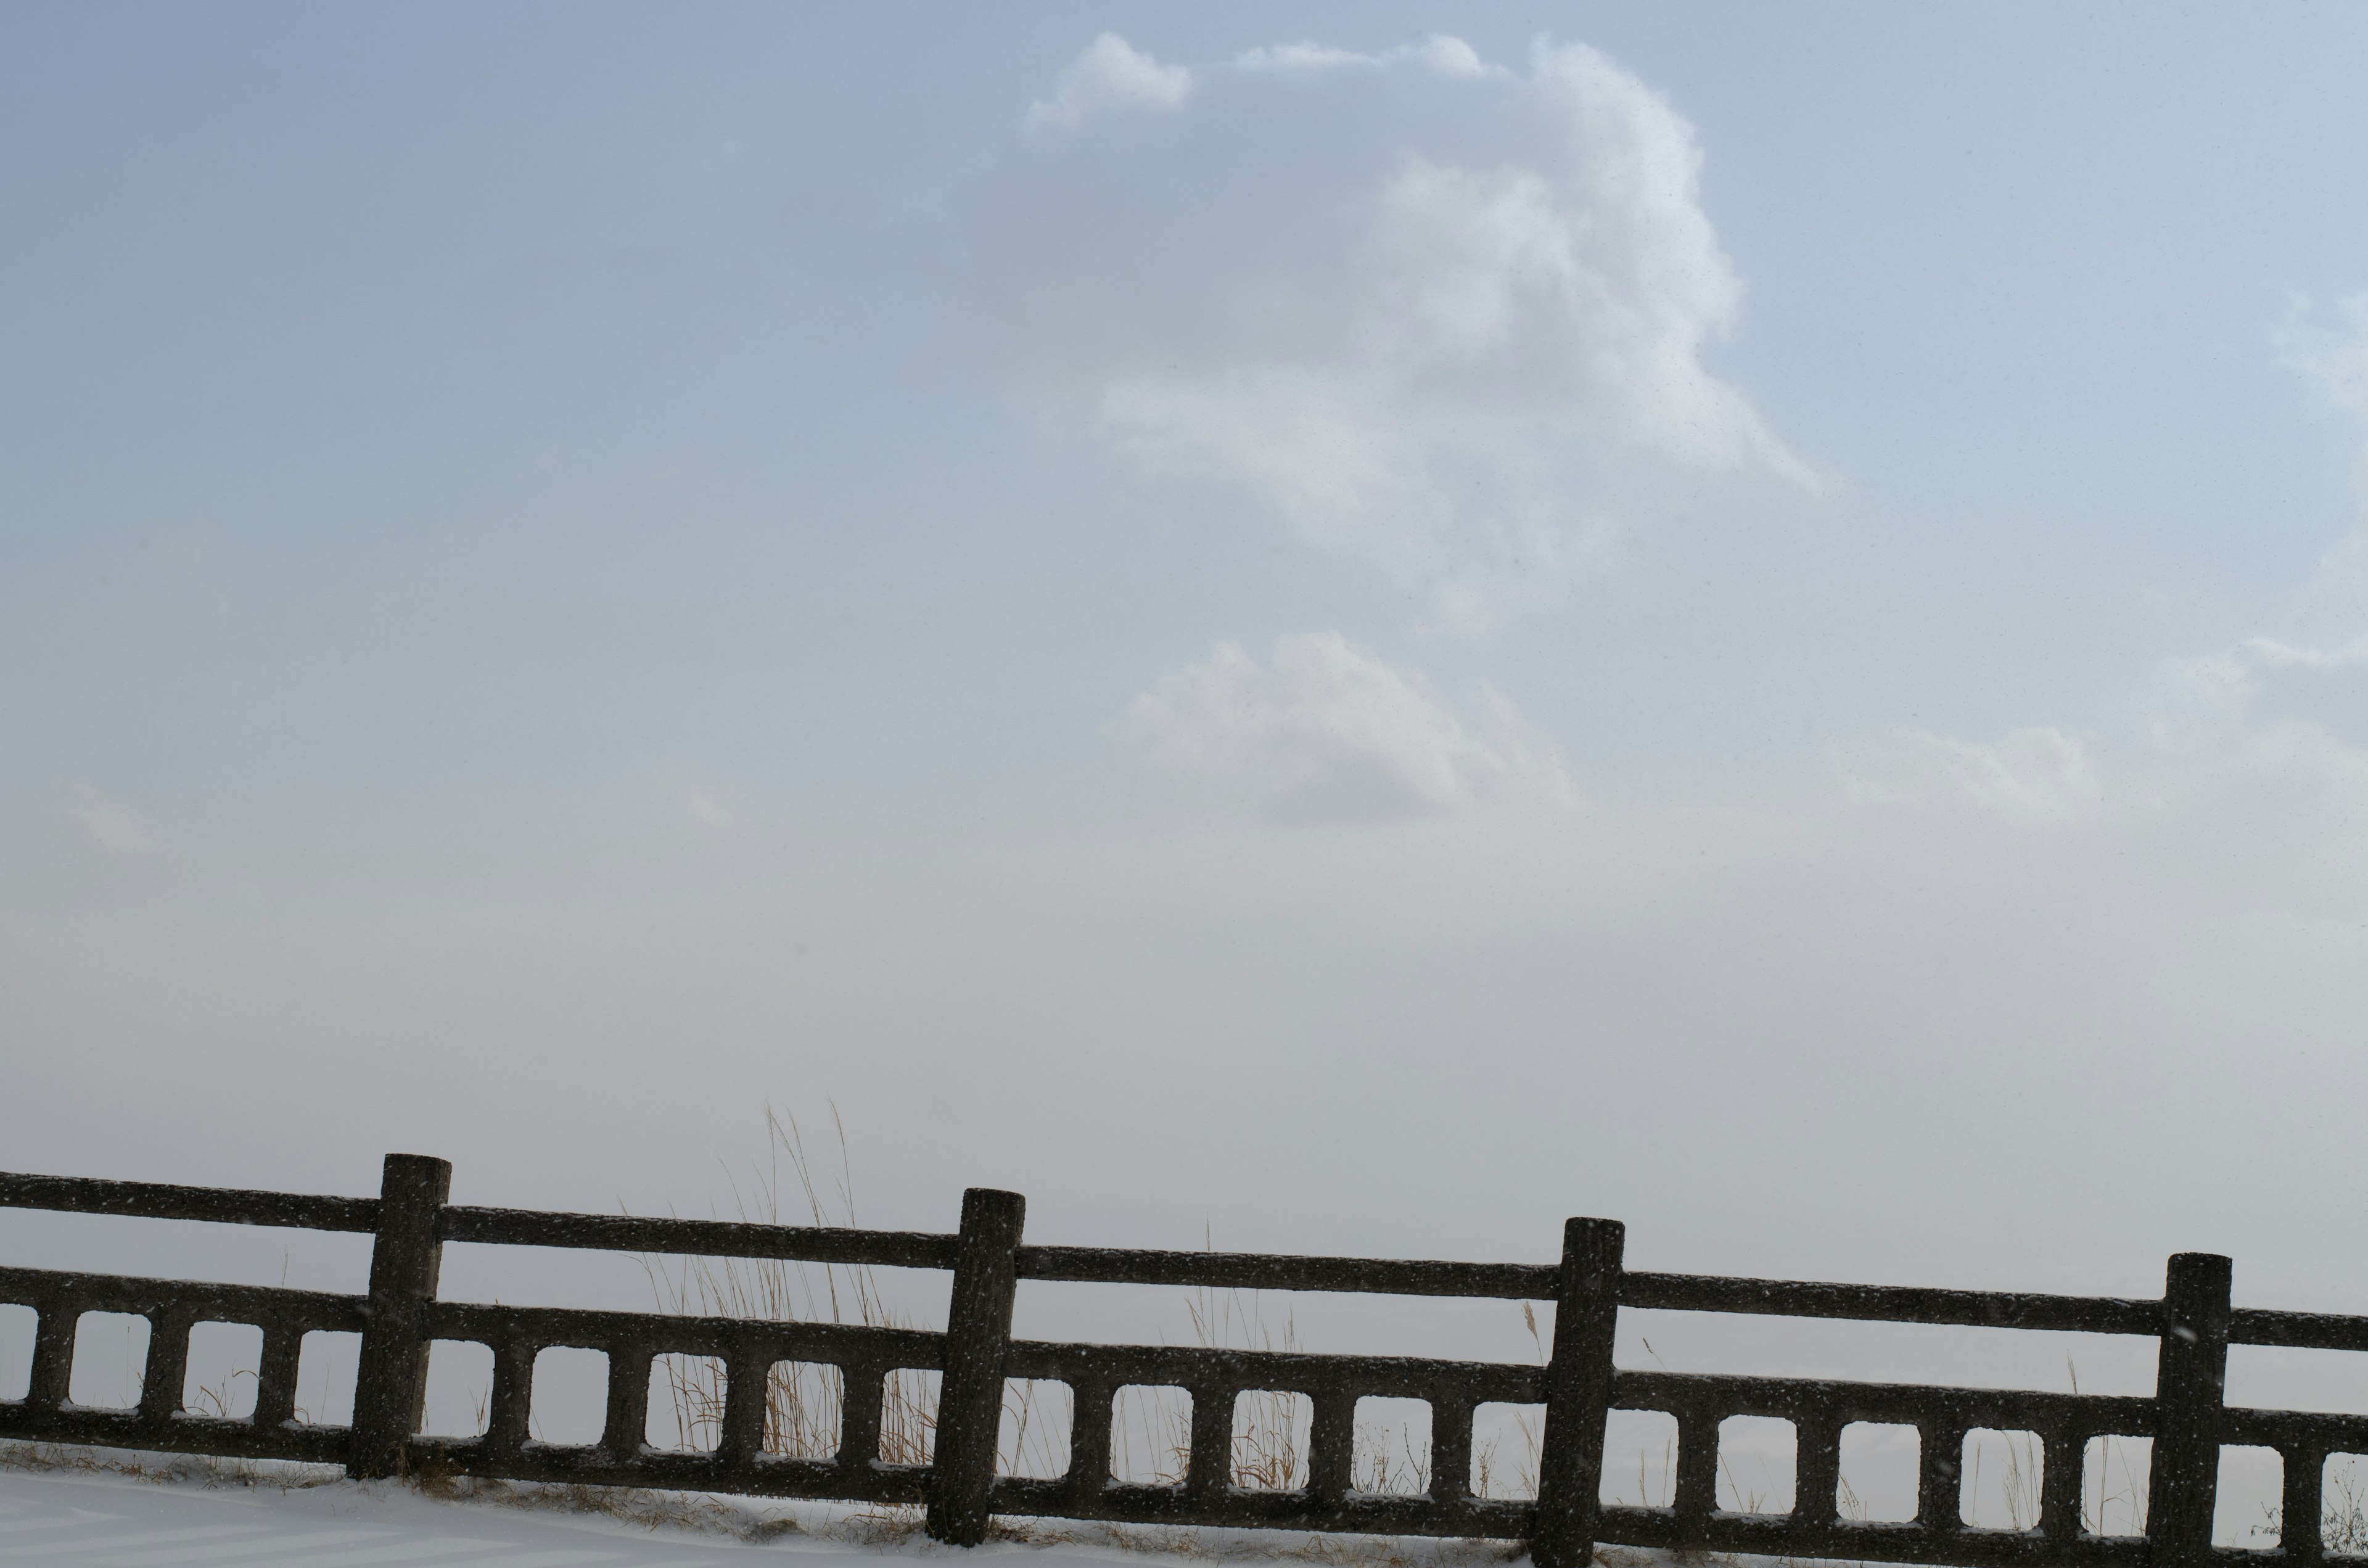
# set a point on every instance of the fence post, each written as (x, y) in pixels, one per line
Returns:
(978, 1337)
(1578, 1394)
(2185, 1478)
(390, 1382)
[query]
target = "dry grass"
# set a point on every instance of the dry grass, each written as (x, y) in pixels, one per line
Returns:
(2129, 1496)
(1515, 1473)
(1151, 1428)
(803, 1403)
(2343, 1526)
(2343, 1511)
(2018, 1476)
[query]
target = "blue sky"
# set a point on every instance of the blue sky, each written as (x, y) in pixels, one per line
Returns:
(1628, 610)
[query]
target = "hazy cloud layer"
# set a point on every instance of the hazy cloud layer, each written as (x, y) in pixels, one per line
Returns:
(1329, 731)
(1780, 976)
(1442, 313)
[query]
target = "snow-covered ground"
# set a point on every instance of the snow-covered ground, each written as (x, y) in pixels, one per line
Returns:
(101, 1519)
(126, 1522)
(158, 1512)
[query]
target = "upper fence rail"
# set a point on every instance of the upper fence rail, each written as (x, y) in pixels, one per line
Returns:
(1129, 1266)
(2193, 1323)
(160, 1200)
(701, 1238)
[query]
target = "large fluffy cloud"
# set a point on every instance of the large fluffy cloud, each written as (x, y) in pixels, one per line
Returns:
(1331, 731)
(1442, 313)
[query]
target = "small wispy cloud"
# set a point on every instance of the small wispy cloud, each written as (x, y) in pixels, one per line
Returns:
(105, 823)
(1329, 731)
(2034, 773)
(2273, 706)
(721, 804)
(2329, 349)
(2332, 354)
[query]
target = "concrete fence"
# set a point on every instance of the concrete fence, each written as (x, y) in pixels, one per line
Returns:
(402, 1314)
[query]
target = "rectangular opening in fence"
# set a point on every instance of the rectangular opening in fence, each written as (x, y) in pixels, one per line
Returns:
(1756, 1460)
(1878, 1472)
(2113, 1472)
(1505, 1451)
(803, 1405)
(459, 1388)
(1151, 1435)
(686, 1408)
(2343, 1505)
(326, 1363)
(1998, 1484)
(1270, 1433)
(2288, 1377)
(1032, 1438)
(2247, 1506)
(1950, 1355)
(908, 1416)
(778, 1289)
(1392, 1450)
(570, 1405)
(19, 1323)
(226, 1359)
(110, 1359)
(1640, 1458)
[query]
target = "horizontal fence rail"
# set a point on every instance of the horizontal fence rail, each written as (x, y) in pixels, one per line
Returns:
(400, 1313)
(156, 1200)
(697, 1238)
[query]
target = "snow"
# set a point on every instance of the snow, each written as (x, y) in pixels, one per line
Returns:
(108, 1509)
(103, 1521)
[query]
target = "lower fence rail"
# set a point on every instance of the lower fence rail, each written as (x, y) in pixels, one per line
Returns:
(401, 1318)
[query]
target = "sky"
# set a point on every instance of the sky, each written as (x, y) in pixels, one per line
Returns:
(1332, 629)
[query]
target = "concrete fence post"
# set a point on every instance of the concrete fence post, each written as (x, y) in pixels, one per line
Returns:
(978, 1338)
(2184, 1482)
(1578, 1394)
(390, 1382)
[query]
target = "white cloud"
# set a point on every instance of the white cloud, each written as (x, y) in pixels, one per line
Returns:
(1443, 314)
(1111, 74)
(719, 803)
(107, 825)
(1331, 731)
(2336, 359)
(2276, 706)
(2029, 773)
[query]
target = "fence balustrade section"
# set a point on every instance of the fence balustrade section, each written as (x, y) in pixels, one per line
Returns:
(1579, 1386)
